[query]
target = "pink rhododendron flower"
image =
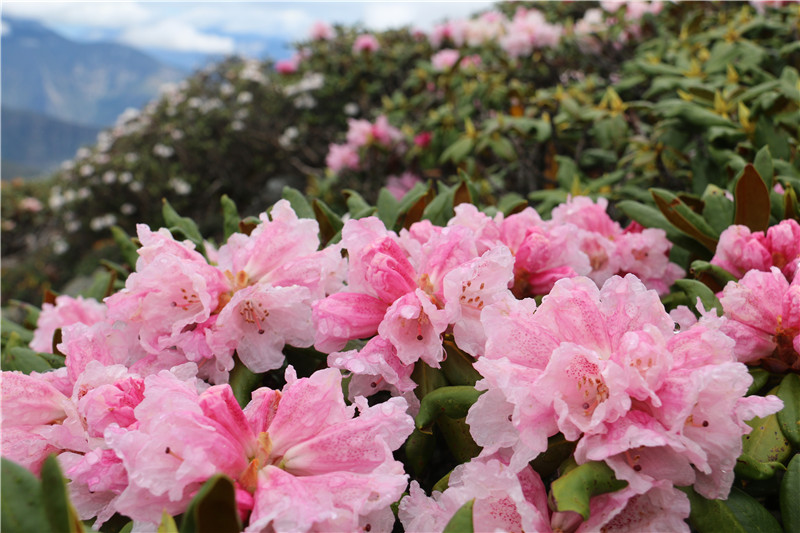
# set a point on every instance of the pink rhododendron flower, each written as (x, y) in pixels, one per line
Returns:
(300, 452)
(505, 500)
(322, 31)
(289, 66)
(400, 185)
(365, 43)
(341, 157)
(739, 250)
(67, 310)
(763, 311)
(606, 368)
(423, 140)
(445, 59)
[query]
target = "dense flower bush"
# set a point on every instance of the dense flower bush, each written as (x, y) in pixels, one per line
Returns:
(406, 344)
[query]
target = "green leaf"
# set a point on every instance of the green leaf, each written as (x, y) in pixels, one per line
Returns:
(502, 147)
(57, 508)
(573, 490)
(243, 382)
(355, 202)
(751, 199)
(388, 208)
(650, 217)
(511, 203)
(185, 225)
(457, 151)
(453, 401)
(765, 444)
(717, 208)
(412, 197)
(427, 379)
(749, 467)
(559, 449)
(213, 509)
(683, 218)
(462, 520)
(457, 366)
(23, 359)
(230, 217)
(763, 166)
(8, 327)
(298, 202)
(419, 449)
(126, 246)
(789, 416)
(440, 209)
(760, 378)
(167, 524)
(458, 438)
(21, 509)
(695, 289)
(740, 513)
(330, 224)
(790, 496)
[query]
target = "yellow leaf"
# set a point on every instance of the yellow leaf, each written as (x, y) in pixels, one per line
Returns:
(733, 76)
(685, 96)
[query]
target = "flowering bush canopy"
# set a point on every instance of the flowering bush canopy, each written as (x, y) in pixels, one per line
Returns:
(434, 354)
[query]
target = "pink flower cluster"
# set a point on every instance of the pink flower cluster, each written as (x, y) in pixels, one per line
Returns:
(739, 250)
(605, 367)
(366, 43)
(138, 428)
(447, 58)
(362, 134)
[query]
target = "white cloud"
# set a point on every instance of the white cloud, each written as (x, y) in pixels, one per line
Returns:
(419, 15)
(174, 34)
(92, 14)
(5, 29)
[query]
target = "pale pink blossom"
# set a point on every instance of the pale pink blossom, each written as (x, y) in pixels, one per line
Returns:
(739, 250)
(504, 499)
(400, 185)
(66, 311)
(288, 66)
(763, 311)
(322, 31)
(366, 43)
(342, 157)
(445, 59)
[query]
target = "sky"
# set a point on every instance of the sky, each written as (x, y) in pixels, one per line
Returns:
(223, 27)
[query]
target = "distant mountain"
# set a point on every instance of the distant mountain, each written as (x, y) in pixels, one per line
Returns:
(33, 144)
(83, 83)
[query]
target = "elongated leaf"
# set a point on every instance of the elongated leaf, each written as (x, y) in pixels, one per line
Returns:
(683, 218)
(764, 444)
(695, 289)
(789, 416)
(763, 166)
(760, 378)
(243, 382)
(427, 379)
(752, 200)
(749, 467)
(740, 513)
(457, 366)
(329, 222)
(126, 246)
(558, 450)
(458, 438)
(25, 360)
(462, 520)
(298, 202)
(21, 509)
(388, 208)
(458, 151)
(355, 202)
(60, 513)
(717, 208)
(213, 508)
(167, 524)
(230, 217)
(440, 208)
(453, 401)
(790, 496)
(573, 490)
(419, 449)
(719, 274)
(185, 225)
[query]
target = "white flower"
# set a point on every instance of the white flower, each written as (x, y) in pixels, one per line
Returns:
(162, 150)
(180, 186)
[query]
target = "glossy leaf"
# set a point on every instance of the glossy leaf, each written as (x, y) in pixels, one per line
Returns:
(453, 401)
(388, 208)
(763, 166)
(419, 450)
(298, 202)
(789, 416)
(462, 520)
(60, 513)
(760, 378)
(683, 218)
(230, 217)
(213, 509)
(695, 289)
(457, 366)
(167, 524)
(717, 208)
(125, 245)
(740, 513)
(330, 224)
(751, 198)
(184, 225)
(243, 382)
(790, 496)
(21, 509)
(764, 444)
(573, 490)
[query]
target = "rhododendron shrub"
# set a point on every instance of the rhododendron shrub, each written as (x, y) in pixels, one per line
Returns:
(479, 366)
